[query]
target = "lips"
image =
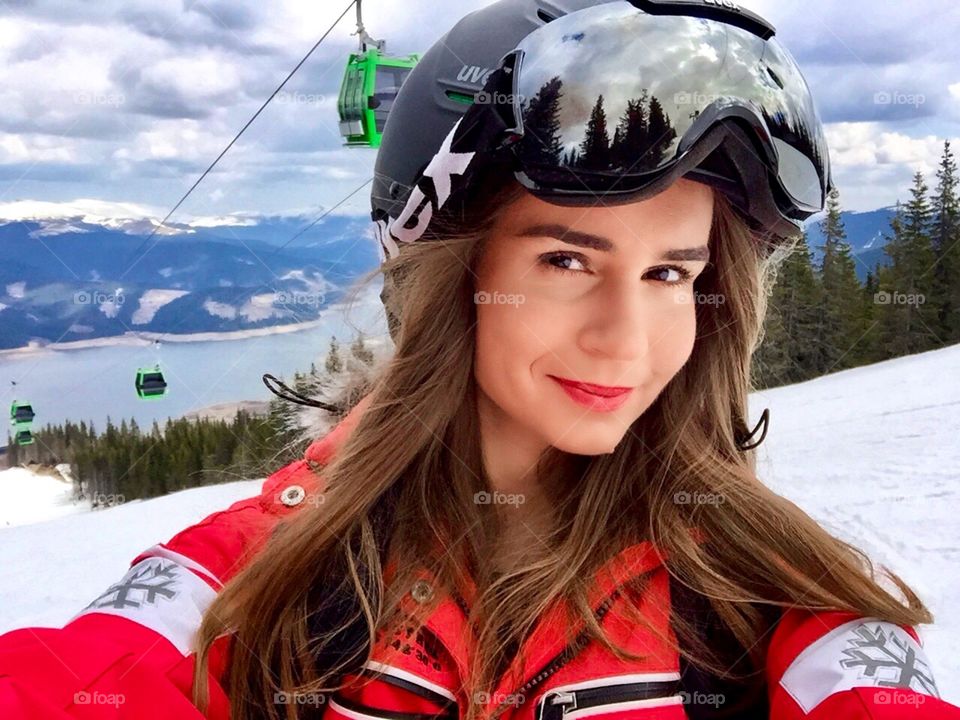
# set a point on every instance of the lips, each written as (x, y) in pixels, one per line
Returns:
(597, 398)
(606, 391)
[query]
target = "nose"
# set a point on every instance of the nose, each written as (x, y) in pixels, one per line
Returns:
(622, 322)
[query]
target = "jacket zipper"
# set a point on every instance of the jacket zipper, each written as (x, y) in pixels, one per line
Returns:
(556, 703)
(560, 659)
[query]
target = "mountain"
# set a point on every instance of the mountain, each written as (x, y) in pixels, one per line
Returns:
(86, 276)
(65, 279)
(866, 233)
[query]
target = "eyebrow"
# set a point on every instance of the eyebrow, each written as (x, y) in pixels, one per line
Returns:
(596, 242)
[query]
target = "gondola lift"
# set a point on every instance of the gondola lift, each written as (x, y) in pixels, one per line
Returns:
(370, 84)
(23, 437)
(150, 383)
(21, 413)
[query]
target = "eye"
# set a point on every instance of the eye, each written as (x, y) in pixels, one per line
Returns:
(547, 260)
(684, 274)
(559, 260)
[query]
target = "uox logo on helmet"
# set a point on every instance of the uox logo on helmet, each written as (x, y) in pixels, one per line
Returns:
(474, 74)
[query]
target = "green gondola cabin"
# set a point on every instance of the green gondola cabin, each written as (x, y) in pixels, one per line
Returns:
(21, 413)
(370, 85)
(150, 383)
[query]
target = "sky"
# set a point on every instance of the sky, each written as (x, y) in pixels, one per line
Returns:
(119, 105)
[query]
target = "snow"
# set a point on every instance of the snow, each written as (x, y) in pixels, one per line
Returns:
(57, 227)
(871, 453)
(219, 309)
(151, 301)
(53, 569)
(27, 498)
(131, 218)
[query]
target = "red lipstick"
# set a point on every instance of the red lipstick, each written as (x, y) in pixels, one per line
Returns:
(602, 398)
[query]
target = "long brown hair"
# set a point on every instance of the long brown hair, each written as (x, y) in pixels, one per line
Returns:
(309, 606)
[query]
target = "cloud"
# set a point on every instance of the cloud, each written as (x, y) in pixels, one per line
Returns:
(873, 167)
(130, 100)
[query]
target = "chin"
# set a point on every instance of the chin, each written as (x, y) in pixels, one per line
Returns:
(592, 443)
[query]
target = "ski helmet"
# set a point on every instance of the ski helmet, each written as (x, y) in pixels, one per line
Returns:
(514, 83)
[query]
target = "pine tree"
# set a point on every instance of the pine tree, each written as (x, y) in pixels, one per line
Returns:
(595, 148)
(542, 124)
(945, 236)
(870, 343)
(334, 364)
(630, 139)
(907, 320)
(360, 351)
(661, 134)
(788, 352)
(841, 311)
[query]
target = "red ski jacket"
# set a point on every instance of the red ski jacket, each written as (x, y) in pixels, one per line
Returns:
(129, 653)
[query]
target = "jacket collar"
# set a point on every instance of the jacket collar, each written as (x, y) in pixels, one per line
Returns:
(448, 620)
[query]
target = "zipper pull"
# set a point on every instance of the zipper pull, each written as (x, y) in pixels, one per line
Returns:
(564, 700)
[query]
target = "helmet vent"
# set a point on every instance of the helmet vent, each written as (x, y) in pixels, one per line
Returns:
(543, 16)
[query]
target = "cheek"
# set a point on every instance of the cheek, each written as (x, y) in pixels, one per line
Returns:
(510, 335)
(674, 344)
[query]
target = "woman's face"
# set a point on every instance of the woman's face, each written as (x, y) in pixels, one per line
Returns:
(601, 295)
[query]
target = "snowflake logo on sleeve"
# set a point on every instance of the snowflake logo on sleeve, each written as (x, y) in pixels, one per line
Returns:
(142, 585)
(888, 658)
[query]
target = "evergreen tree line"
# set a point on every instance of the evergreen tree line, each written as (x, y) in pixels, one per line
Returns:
(125, 462)
(641, 137)
(822, 319)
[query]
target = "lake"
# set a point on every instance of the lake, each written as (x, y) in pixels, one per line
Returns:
(96, 382)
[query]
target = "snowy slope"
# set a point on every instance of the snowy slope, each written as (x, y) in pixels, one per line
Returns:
(26, 498)
(872, 453)
(52, 569)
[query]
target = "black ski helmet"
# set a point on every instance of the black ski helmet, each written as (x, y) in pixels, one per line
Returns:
(457, 65)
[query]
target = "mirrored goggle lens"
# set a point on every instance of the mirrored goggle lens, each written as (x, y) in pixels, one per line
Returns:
(611, 95)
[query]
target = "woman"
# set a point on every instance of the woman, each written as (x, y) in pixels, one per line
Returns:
(546, 505)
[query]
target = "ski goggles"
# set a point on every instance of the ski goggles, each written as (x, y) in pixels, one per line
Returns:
(614, 102)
